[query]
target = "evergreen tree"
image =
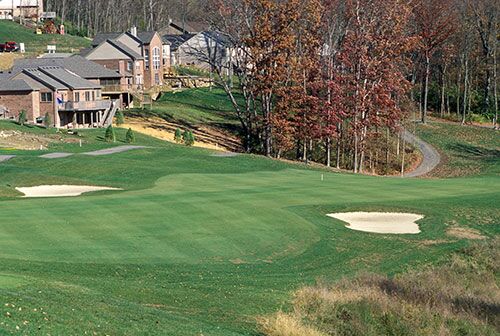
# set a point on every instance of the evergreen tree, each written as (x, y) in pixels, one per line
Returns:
(109, 135)
(185, 137)
(178, 136)
(130, 137)
(120, 119)
(22, 118)
(191, 139)
(47, 121)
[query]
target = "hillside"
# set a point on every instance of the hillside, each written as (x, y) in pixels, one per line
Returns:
(37, 44)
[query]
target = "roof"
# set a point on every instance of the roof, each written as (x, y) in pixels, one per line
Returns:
(56, 55)
(72, 80)
(191, 27)
(15, 85)
(45, 79)
(102, 37)
(176, 40)
(76, 64)
(126, 50)
(146, 36)
(218, 37)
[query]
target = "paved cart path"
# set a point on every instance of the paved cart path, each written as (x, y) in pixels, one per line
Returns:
(113, 150)
(431, 156)
(4, 158)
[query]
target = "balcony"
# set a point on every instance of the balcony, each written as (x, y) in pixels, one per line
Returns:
(123, 88)
(96, 105)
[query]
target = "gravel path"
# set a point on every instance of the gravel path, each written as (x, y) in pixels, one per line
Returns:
(55, 155)
(431, 157)
(4, 158)
(113, 150)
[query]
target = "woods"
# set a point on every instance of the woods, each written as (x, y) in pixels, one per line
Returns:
(345, 76)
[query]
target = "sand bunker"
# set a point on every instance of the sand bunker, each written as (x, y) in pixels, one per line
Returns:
(380, 222)
(225, 154)
(59, 190)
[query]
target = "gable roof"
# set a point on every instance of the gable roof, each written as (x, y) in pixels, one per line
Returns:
(44, 79)
(176, 40)
(102, 37)
(125, 49)
(15, 85)
(68, 78)
(146, 36)
(76, 64)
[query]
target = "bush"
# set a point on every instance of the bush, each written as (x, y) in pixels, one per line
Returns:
(130, 137)
(188, 138)
(47, 121)
(178, 136)
(21, 119)
(109, 135)
(120, 119)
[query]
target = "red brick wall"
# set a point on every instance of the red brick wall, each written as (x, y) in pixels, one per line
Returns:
(15, 102)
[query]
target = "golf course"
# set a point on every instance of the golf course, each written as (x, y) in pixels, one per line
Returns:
(200, 244)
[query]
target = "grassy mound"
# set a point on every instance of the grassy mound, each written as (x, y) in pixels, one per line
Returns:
(461, 297)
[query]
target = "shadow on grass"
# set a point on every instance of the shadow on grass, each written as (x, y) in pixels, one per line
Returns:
(467, 151)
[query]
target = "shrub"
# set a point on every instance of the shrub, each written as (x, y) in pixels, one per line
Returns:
(188, 138)
(22, 118)
(47, 121)
(130, 137)
(120, 119)
(178, 136)
(109, 135)
(191, 138)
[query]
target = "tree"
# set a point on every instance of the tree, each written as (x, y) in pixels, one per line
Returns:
(109, 134)
(47, 120)
(191, 139)
(21, 119)
(435, 23)
(178, 136)
(130, 136)
(120, 118)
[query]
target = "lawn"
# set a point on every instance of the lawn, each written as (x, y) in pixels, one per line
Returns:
(37, 44)
(203, 245)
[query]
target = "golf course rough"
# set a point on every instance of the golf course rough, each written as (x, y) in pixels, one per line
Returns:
(196, 244)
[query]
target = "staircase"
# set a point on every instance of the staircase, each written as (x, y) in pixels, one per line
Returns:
(109, 114)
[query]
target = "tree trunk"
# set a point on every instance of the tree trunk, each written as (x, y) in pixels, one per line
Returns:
(466, 88)
(443, 91)
(328, 152)
(426, 88)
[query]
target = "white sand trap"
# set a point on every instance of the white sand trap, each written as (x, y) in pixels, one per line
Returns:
(59, 190)
(380, 222)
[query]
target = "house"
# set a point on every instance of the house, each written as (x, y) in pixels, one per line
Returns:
(115, 85)
(200, 50)
(69, 100)
(142, 55)
(10, 9)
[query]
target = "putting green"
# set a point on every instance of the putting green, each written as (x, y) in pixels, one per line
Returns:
(204, 245)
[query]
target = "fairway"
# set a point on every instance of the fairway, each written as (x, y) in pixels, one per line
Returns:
(198, 244)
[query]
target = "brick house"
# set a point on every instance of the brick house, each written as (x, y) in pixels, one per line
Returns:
(143, 55)
(115, 85)
(69, 100)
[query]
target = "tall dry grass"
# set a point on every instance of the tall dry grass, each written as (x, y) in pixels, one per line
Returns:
(461, 297)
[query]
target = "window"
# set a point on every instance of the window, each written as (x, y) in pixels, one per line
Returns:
(87, 96)
(146, 58)
(46, 97)
(157, 79)
(156, 58)
(130, 65)
(93, 95)
(77, 96)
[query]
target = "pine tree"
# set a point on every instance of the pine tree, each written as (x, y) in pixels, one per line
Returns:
(109, 135)
(178, 136)
(120, 119)
(47, 121)
(185, 137)
(130, 136)
(190, 139)
(22, 118)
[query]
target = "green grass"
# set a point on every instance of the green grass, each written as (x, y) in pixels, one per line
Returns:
(37, 44)
(466, 150)
(198, 107)
(201, 245)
